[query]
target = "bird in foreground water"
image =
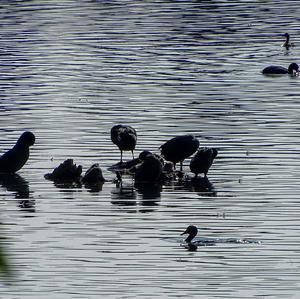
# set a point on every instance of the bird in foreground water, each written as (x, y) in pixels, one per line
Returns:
(293, 70)
(203, 160)
(124, 137)
(192, 231)
(179, 148)
(287, 43)
(15, 158)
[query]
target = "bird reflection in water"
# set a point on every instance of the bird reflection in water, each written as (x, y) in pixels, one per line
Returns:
(15, 183)
(126, 194)
(123, 194)
(201, 185)
(150, 192)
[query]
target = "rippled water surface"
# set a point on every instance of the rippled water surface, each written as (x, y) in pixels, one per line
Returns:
(70, 70)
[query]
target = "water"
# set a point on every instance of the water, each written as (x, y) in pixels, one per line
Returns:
(71, 70)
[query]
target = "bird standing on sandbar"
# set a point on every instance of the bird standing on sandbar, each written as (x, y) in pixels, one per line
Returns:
(179, 148)
(124, 137)
(15, 158)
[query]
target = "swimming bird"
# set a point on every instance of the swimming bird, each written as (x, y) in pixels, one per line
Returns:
(203, 160)
(293, 70)
(150, 170)
(179, 148)
(192, 231)
(124, 137)
(287, 43)
(15, 158)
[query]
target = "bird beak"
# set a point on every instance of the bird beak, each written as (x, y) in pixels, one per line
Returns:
(185, 232)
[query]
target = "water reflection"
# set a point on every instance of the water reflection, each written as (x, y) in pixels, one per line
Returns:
(201, 185)
(20, 187)
(124, 194)
(149, 191)
(94, 187)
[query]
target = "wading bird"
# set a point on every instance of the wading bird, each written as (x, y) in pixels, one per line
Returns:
(124, 137)
(179, 148)
(203, 160)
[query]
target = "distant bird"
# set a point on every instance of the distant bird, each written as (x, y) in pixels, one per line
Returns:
(15, 158)
(287, 43)
(124, 137)
(203, 160)
(150, 170)
(179, 148)
(293, 70)
(192, 231)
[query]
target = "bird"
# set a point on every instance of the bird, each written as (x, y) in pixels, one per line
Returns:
(150, 170)
(15, 158)
(179, 148)
(293, 70)
(124, 137)
(192, 231)
(203, 160)
(287, 43)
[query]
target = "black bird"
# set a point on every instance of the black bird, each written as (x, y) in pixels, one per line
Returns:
(287, 43)
(192, 231)
(293, 70)
(150, 170)
(179, 148)
(124, 137)
(15, 158)
(203, 160)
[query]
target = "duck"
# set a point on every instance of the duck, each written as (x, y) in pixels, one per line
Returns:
(287, 43)
(293, 70)
(179, 148)
(150, 170)
(192, 231)
(203, 160)
(124, 137)
(15, 158)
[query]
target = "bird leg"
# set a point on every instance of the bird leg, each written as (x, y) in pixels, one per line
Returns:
(132, 154)
(121, 156)
(181, 165)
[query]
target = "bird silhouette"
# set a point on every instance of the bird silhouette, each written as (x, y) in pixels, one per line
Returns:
(287, 43)
(179, 148)
(293, 70)
(15, 158)
(124, 137)
(192, 231)
(203, 160)
(150, 170)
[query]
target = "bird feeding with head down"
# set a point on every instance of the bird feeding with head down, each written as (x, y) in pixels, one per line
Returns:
(179, 148)
(124, 137)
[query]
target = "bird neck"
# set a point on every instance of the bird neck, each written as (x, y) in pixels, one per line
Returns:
(190, 238)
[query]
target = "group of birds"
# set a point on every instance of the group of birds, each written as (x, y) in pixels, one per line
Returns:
(293, 68)
(147, 167)
(175, 150)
